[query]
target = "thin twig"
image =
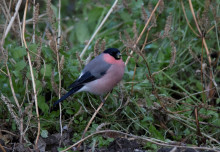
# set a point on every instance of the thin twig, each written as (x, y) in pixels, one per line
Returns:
(76, 114)
(93, 116)
(7, 9)
(32, 76)
(10, 109)
(59, 25)
(201, 35)
(193, 94)
(207, 52)
(20, 30)
(12, 88)
(34, 22)
(5, 13)
(58, 66)
(8, 132)
(210, 29)
(184, 12)
(12, 19)
(119, 107)
(194, 17)
(21, 124)
(90, 121)
(29, 21)
(210, 64)
(99, 27)
(198, 132)
(201, 77)
(205, 45)
(148, 21)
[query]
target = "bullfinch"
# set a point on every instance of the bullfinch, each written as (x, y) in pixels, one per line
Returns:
(100, 75)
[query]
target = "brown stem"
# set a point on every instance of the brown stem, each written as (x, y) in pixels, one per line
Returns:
(90, 121)
(194, 17)
(183, 8)
(202, 72)
(32, 75)
(142, 32)
(206, 48)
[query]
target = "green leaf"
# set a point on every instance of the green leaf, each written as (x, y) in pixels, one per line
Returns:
(213, 113)
(38, 86)
(44, 133)
(137, 4)
(150, 145)
(69, 111)
(125, 16)
(93, 16)
(54, 114)
(42, 105)
(33, 47)
(80, 118)
(82, 32)
(20, 65)
(104, 142)
(16, 73)
(218, 101)
(76, 121)
(18, 52)
(155, 132)
(47, 71)
(14, 127)
(216, 122)
(145, 121)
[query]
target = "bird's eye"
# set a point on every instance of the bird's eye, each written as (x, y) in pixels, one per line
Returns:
(118, 55)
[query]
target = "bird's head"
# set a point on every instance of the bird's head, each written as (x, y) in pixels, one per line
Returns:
(114, 53)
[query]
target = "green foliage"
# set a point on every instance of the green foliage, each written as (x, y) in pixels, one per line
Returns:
(44, 133)
(18, 52)
(104, 142)
(82, 32)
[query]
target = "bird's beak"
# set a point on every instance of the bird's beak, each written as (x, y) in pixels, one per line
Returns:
(118, 55)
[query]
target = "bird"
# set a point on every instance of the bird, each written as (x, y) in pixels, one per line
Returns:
(99, 76)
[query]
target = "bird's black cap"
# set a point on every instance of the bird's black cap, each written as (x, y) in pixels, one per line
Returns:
(113, 52)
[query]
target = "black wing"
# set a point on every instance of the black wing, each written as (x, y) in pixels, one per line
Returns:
(85, 78)
(77, 85)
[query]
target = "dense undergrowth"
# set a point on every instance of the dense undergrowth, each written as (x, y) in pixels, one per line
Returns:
(170, 90)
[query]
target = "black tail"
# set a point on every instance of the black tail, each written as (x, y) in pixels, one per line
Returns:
(72, 91)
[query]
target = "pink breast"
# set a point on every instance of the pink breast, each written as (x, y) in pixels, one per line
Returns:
(105, 84)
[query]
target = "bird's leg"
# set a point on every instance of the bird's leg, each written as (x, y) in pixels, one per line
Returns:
(102, 99)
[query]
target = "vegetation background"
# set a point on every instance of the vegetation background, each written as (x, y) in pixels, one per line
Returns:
(170, 91)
